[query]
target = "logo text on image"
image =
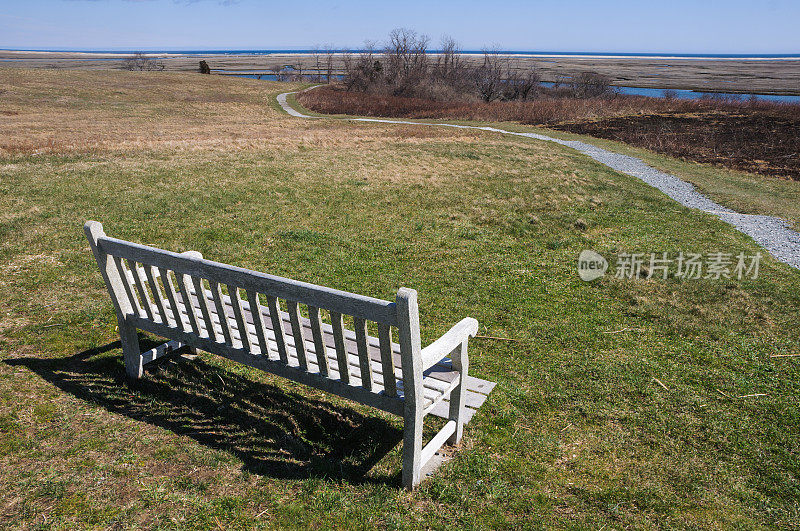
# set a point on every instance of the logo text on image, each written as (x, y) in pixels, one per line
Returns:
(591, 265)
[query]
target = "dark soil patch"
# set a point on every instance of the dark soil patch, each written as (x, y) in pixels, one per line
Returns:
(755, 142)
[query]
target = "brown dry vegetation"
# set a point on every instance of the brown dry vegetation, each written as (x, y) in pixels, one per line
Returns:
(172, 112)
(757, 137)
(543, 110)
(103, 112)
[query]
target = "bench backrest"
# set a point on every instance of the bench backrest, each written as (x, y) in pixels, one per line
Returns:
(149, 284)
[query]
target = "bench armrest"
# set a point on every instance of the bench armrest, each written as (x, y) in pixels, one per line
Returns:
(433, 353)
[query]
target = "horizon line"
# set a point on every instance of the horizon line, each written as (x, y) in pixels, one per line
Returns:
(231, 50)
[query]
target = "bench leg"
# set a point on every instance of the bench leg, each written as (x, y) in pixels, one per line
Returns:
(412, 449)
(458, 395)
(130, 349)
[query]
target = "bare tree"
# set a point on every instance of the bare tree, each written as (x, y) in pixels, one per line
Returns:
(277, 71)
(489, 76)
(531, 83)
(448, 63)
(405, 59)
(510, 82)
(350, 78)
(140, 61)
(329, 53)
(317, 59)
(516, 84)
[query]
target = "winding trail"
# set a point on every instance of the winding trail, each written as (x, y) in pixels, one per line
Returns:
(772, 233)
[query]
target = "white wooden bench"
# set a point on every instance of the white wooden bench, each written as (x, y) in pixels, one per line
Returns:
(150, 289)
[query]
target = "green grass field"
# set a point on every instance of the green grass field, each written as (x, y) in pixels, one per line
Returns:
(578, 432)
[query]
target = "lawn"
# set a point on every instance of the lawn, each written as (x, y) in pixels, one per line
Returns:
(767, 194)
(578, 433)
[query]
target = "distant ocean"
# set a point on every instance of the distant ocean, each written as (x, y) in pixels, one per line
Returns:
(508, 52)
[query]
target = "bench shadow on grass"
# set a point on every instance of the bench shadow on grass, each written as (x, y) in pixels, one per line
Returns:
(274, 432)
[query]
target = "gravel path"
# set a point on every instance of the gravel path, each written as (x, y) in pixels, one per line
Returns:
(772, 233)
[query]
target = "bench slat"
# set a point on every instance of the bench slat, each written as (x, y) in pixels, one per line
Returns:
(241, 327)
(380, 401)
(315, 321)
(205, 310)
(186, 295)
(387, 360)
(126, 283)
(363, 355)
(441, 372)
(297, 334)
(137, 279)
(216, 294)
(169, 287)
(277, 329)
(433, 388)
(341, 353)
(258, 321)
(151, 279)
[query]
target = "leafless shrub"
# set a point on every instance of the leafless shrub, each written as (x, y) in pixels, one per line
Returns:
(518, 85)
(488, 77)
(404, 68)
(292, 73)
(362, 71)
(590, 85)
(286, 72)
(448, 66)
(530, 84)
(277, 71)
(141, 62)
(721, 98)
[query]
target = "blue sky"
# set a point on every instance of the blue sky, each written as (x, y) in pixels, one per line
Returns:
(680, 26)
